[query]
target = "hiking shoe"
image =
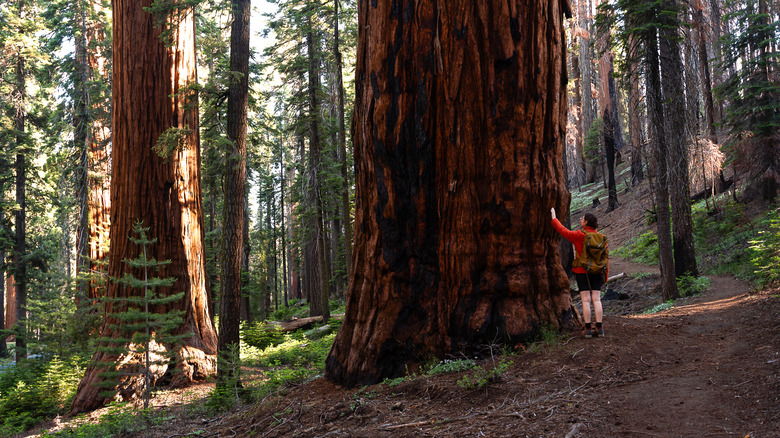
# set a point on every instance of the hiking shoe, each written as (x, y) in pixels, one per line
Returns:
(588, 333)
(601, 332)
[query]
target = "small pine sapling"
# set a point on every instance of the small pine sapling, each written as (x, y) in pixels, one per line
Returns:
(144, 333)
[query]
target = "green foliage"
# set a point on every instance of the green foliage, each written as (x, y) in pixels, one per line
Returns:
(170, 141)
(35, 390)
(291, 362)
(593, 141)
(548, 337)
(259, 336)
(660, 307)
(641, 275)
(294, 351)
(228, 392)
(689, 285)
(451, 366)
(641, 249)
(482, 376)
(749, 57)
(730, 243)
(392, 383)
(764, 249)
(294, 309)
(735, 243)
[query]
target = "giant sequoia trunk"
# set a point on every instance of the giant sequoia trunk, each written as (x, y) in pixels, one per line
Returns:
(459, 132)
(150, 96)
(91, 131)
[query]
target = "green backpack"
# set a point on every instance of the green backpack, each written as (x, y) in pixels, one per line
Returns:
(594, 254)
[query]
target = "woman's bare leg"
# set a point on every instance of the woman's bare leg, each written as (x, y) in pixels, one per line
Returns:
(596, 298)
(585, 295)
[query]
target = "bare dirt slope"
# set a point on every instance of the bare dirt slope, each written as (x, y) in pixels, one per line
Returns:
(709, 367)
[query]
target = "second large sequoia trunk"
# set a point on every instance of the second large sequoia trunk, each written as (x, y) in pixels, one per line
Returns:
(151, 95)
(459, 131)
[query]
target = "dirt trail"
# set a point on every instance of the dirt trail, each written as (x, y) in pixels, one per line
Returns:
(709, 367)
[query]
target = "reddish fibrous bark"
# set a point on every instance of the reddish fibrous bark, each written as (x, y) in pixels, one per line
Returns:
(460, 123)
(92, 130)
(150, 95)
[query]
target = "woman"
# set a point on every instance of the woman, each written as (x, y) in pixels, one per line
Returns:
(588, 284)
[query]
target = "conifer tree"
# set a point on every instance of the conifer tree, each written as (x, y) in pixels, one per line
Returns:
(752, 62)
(641, 33)
(143, 327)
(235, 183)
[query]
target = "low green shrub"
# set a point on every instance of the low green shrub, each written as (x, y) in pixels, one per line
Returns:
(660, 307)
(764, 249)
(689, 285)
(258, 335)
(481, 376)
(36, 390)
(641, 249)
(451, 366)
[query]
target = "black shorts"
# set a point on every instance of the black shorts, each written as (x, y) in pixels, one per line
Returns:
(596, 281)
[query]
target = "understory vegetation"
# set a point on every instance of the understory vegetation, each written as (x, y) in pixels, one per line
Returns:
(729, 242)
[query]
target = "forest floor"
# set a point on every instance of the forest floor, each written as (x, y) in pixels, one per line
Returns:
(708, 366)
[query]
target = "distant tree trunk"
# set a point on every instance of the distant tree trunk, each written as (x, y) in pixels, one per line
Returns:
(3, 344)
(235, 183)
(609, 148)
(455, 158)
(246, 303)
(10, 302)
(345, 209)
(80, 128)
(716, 21)
(20, 244)
(677, 154)
(608, 104)
(295, 256)
(588, 170)
(282, 206)
(634, 121)
(660, 152)
(704, 70)
(315, 251)
(213, 278)
(150, 96)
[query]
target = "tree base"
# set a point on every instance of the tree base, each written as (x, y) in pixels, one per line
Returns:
(191, 365)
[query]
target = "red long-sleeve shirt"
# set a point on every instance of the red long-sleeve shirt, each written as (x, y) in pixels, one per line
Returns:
(577, 238)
